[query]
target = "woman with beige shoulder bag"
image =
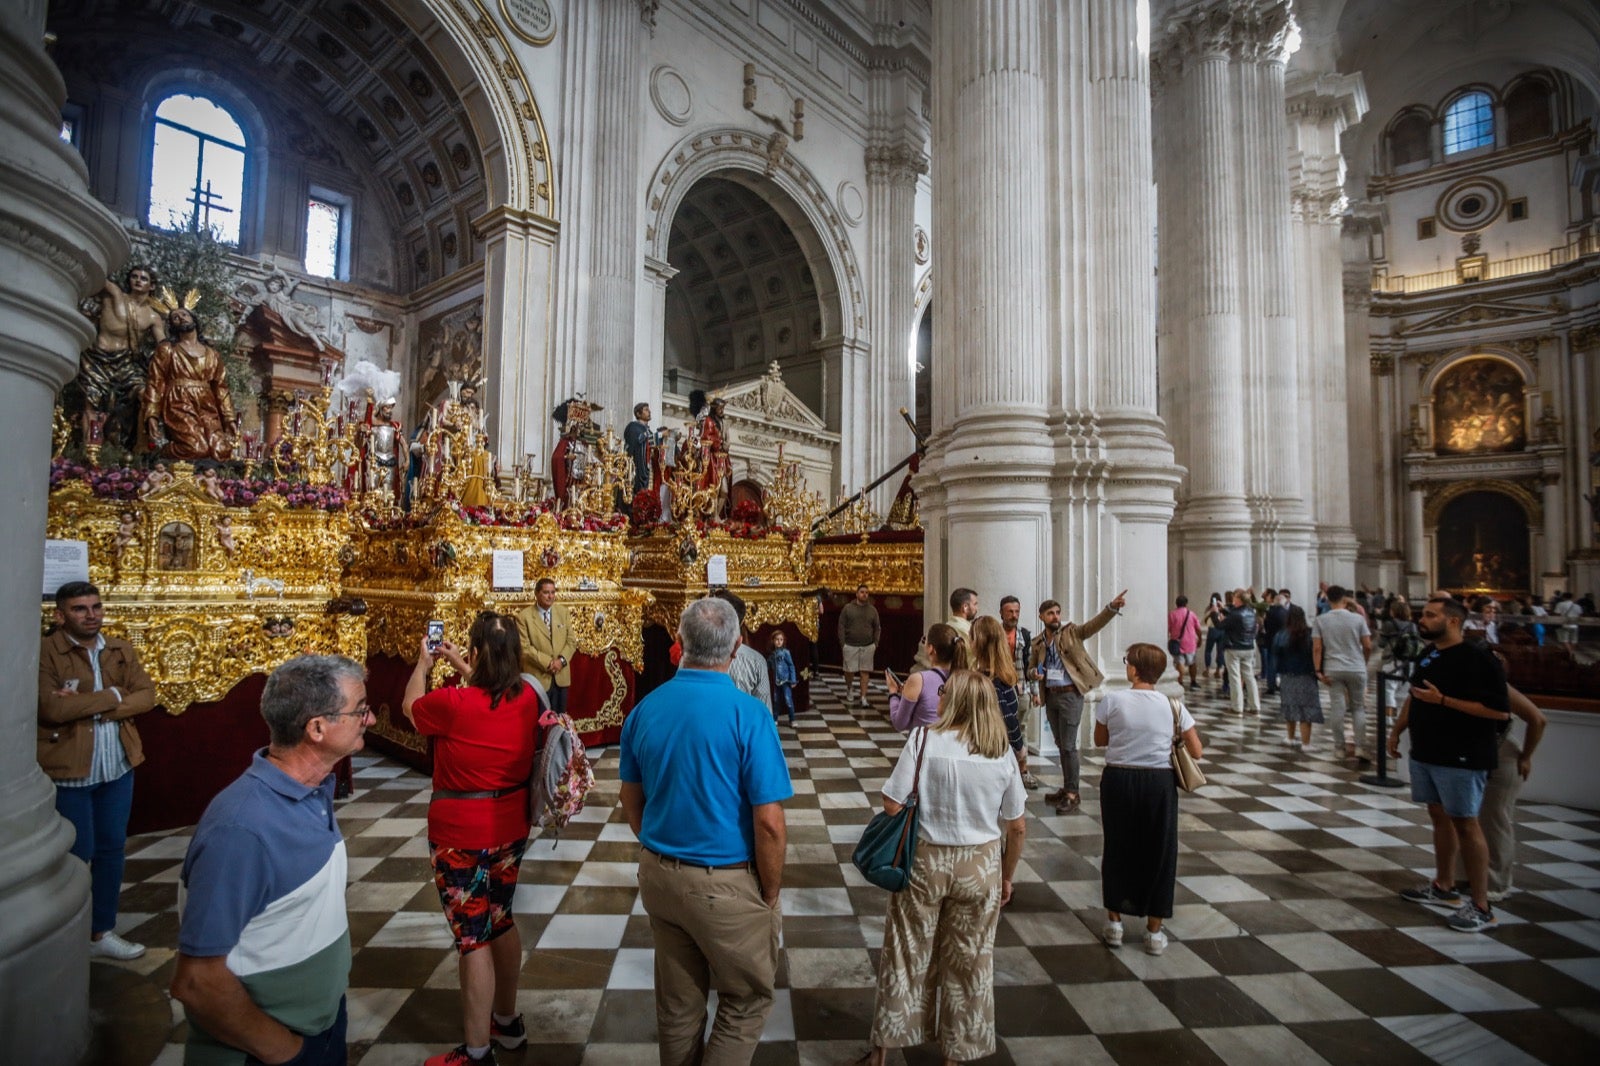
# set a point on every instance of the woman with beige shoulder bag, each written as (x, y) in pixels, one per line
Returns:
(1139, 797)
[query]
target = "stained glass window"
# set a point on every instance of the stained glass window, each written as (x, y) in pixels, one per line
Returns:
(1469, 124)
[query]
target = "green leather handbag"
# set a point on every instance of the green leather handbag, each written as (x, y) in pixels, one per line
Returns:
(889, 843)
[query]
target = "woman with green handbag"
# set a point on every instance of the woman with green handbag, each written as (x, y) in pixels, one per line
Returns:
(936, 972)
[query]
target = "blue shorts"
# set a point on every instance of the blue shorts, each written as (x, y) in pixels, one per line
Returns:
(1458, 791)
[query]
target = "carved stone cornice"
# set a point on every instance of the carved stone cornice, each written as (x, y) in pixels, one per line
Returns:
(1324, 207)
(895, 164)
(1381, 363)
(1586, 338)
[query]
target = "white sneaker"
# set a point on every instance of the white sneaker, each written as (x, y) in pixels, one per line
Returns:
(1112, 934)
(112, 946)
(1155, 943)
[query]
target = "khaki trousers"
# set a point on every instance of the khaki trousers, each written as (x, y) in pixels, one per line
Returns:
(936, 972)
(711, 930)
(1498, 819)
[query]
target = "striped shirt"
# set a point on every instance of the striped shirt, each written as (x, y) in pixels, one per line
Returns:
(110, 761)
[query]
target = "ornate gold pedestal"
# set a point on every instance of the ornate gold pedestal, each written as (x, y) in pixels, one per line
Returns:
(410, 572)
(769, 573)
(886, 567)
(209, 594)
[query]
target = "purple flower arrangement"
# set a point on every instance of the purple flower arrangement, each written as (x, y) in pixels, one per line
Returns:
(124, 483)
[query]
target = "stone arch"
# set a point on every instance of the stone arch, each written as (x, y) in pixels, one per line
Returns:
(1524, 366)
(488, 76)
(744, 157)
(1524, 498)
(1478, 544)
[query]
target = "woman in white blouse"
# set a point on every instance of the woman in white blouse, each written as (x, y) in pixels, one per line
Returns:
(936, 973)
(1139, 797)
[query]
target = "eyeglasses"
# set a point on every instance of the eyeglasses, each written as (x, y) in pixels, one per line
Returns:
(360, 712)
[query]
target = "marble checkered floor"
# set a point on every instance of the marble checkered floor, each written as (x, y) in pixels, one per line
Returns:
(1288, 945)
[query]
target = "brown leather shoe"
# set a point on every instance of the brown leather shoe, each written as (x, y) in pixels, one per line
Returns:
(1055, 797)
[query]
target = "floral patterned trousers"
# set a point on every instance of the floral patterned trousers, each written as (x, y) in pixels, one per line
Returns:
(936, 974)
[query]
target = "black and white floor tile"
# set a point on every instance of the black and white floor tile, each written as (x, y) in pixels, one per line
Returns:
(1289, 943)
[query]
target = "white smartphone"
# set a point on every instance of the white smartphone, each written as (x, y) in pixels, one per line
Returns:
(435, 634)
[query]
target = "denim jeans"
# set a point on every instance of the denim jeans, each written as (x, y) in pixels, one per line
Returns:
(100, 815)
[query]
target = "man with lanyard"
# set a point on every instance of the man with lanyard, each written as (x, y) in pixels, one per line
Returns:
(1060, 662)
(90, 688)
(1458, 705)
(1017, 640)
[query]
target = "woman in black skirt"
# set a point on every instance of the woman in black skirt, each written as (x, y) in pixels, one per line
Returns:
(1139, 797)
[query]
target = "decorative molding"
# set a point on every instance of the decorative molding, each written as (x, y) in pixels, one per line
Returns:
(1252, 31)
(14, 231)
(1382, 364)
(852, 205)
(671, 95)
(531, 20)
(921, 246)
(1479, 312)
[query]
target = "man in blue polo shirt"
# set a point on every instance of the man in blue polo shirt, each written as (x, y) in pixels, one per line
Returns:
(263, 940)
(703, 782)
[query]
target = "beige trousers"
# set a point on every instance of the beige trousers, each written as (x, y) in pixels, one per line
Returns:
(711, 930)
(1498, 818)
(936, 973)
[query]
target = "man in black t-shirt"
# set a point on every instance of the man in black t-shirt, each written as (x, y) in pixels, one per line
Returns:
(1458, 702)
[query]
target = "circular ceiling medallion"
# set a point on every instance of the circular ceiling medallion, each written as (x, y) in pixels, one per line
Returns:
(1471, 204)
(852, 205)
(532, 20)
(670, 93)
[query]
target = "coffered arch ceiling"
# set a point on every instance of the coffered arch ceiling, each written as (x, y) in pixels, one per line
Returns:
(346, 85)
(745, 293)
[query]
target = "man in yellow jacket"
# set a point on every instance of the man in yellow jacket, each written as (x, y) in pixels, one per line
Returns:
(548, 642)
(90, 688)
(1064, 669)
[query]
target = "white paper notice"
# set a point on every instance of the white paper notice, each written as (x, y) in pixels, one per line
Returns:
(64, 560)
(717, 571)
(507, 569)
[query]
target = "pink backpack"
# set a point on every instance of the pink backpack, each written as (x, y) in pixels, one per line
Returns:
(562, 774)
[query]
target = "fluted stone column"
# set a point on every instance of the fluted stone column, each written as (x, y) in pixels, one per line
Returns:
(1281, 532)
(1202, 306)
(1320, 108)
(1108, 89)
(892, 172)
(988, 525)
(55, 246)
(1418, 565)
(1049, 474)
(602, 251)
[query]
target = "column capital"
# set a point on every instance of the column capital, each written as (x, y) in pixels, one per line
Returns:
(1255, 31)
(895, 164)
(1339, 100)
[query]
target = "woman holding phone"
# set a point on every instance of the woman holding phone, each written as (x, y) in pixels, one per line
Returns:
(483, 735)
(916, 701)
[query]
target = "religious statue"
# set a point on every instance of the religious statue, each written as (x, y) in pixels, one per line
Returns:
(379, 438)
(158, 478)
(574, 452)
(188, 412)
(111, 371)
(301, 318)
(639, 441)
(225, 535)
(663, 462)
(209, 481)
(716, 471)
(127, 535)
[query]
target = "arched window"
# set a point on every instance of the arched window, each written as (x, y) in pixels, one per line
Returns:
(1408, 140)
(197, 167)
(1528, 113)
(1469, 123)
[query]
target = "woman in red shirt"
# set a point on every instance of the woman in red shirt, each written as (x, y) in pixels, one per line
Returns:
(484, 739)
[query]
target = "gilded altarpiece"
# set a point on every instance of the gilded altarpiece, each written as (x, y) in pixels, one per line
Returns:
(441, 568)
(209, 594)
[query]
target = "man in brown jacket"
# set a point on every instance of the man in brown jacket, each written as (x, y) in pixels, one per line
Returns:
(1062, 666)
(90, 687)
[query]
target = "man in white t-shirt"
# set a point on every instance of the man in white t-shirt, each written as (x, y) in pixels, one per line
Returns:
(1569, 612)
(1340, 644)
